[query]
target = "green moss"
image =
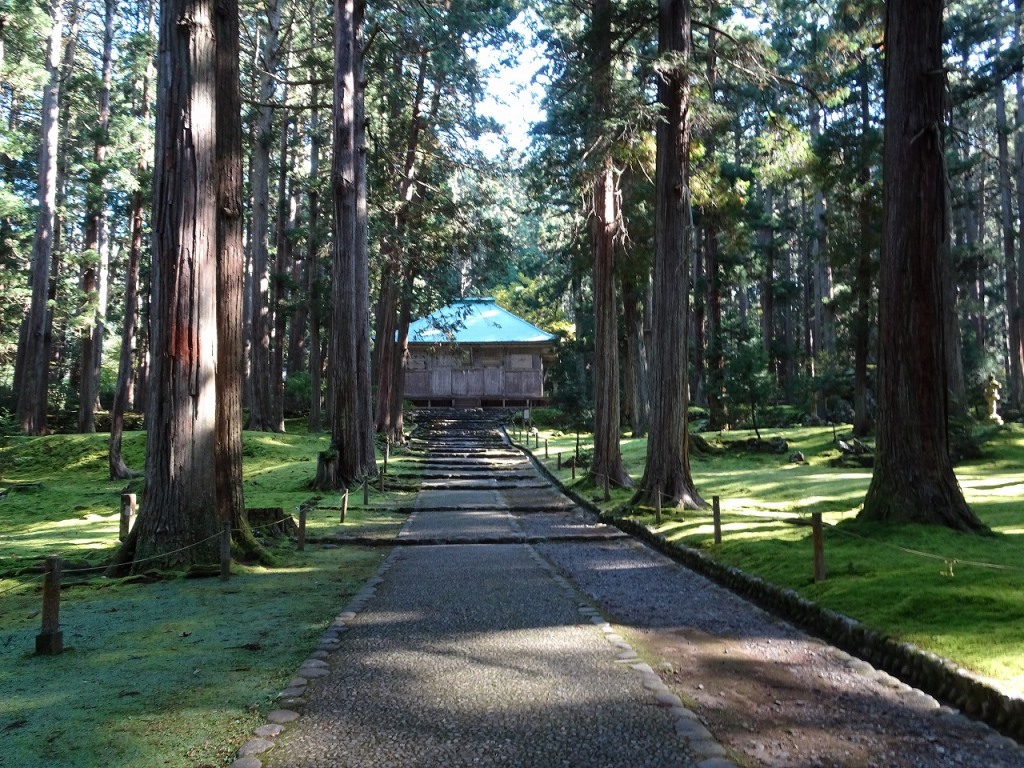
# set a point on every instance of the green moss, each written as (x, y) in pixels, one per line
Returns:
(955, 594)
(174, 673)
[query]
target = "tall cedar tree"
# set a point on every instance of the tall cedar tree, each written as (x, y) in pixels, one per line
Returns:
(607, 465)
(668, 460)
(230, 280)
(351, 431)
(913, 478)
(119, 470)
(177, 524)
(32, 374)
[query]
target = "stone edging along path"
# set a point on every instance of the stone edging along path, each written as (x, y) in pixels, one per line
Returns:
(706, 750)
(922, 669)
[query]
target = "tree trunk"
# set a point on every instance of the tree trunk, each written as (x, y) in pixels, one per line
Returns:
(313, 277)
(390, 300)
(92, 282)
(32, 377)
(399, 358)
(386, 349)
(1018, 38)
(766, 244)
(364, 365)
(1015, 382)
(667, 473)
(230, 283)
(177, 524)
(285, 221)
(638, 377)
(862, 420)
(261, 404)
(129, 325)
(913, 477)
(345, 462)
(607, 465)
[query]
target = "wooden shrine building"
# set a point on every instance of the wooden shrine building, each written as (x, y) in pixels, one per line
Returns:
(473, 353)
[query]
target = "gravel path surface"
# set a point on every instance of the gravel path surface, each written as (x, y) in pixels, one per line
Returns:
(474, 655)
(502, 654)
(771, 694)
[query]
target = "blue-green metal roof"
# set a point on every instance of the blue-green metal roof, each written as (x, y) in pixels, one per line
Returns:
(475, 321)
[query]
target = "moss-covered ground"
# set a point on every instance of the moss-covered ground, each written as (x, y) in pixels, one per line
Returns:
(959, 595)
(177, 672)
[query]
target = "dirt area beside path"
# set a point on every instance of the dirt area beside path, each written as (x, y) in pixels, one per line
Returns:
(798, 703)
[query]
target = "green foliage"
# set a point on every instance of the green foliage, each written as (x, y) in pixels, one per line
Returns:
(748, 383)
(297, 394)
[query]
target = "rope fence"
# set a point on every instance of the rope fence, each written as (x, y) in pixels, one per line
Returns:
(50, 640)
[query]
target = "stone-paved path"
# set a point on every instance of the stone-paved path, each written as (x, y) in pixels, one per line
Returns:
(470, 650)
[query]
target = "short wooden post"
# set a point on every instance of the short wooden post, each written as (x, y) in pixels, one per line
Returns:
(716, 509)
(536, 439)
(559, 455)
(301, 542)
(50, 640)
(657, 507)
(366, 491)
(545, 448)
(127, 515)
(818, 539)
(225, 551)
(344, 505)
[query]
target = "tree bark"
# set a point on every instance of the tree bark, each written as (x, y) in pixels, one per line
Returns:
(667, 473)
(863, 422)
(230, 283)
(638, 368)
(177, 523)
(261, 403)
(1014, 393)
(346, 462)
(313, 270)
(607, 465)
(913, 478)
(1018, 37)
(364, 353)
(129, 325)
(279, 297)
(93, 274)
(33, 359)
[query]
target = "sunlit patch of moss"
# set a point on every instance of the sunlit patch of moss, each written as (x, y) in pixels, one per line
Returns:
(955, 594)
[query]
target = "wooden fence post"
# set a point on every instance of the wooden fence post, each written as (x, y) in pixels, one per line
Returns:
(545, 448)
(716, 509)
(50, 640)
(559, 455)
(127, 515)
(818, 540)
(225, 551)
